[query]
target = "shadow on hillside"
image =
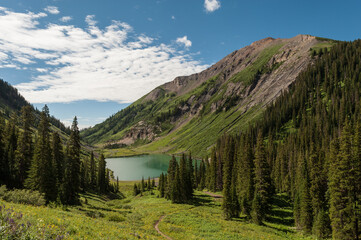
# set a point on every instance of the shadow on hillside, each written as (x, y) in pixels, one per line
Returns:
(281, 213)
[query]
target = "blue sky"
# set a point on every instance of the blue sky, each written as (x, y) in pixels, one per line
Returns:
(91, 58)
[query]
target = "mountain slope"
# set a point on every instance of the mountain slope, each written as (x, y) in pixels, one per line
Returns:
(11, 101)
(190, 112)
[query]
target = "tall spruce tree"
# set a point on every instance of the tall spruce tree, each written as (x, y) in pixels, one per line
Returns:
(245, 179)
(24, 152)
(58, 158)
(42, 171)
(102, 174)
(92, 170)
(229, 204)
(341, 180)
(71, 183)
(263, 187)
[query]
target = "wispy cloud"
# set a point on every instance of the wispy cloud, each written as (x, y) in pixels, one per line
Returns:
(52, 9)
(212, 5)
(72, 63)
(184, 41)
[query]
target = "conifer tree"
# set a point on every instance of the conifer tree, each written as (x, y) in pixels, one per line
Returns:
(11, 136)
(71, 184)
(142, 185)
(3, 160)
(41, 174)
(195, 176)
(24, 152)
(212, 185)
(135, 190)
(340, 187)
(102, 174)
(58, 159)
(149, 184)
(161, 185)
(190, 174)
(229, 206)
(92, 170)
(263, 187)
(245, 179)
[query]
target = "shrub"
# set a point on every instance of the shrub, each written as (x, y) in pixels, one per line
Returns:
(115, 218)
(25, 196)
(3, 191)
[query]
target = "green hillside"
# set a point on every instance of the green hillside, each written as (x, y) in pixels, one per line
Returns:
(190, 113)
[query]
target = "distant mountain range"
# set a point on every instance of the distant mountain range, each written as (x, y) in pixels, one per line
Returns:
(191, 112)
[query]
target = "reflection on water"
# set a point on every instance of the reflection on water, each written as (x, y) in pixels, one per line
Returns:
(134, 168)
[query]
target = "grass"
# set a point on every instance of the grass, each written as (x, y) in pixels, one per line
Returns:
(259, 66)
(120, 152)
(129, 217)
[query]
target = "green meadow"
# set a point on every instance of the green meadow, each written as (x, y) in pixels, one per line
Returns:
(124, 216)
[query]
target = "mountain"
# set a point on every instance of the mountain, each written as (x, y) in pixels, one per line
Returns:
(191, 112)
(11, 102)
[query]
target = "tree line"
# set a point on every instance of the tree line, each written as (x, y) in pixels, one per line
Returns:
(307, 145)
(36, 159)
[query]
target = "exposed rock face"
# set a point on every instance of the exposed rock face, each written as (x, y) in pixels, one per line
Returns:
(294, 56)
(141, 131)
(215, 90)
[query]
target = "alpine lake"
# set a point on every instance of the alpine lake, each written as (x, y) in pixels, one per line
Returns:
(136, 167)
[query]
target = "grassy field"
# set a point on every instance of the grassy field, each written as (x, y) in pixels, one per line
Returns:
(129, 217)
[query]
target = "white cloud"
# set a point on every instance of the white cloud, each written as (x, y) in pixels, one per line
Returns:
(66, 19)
(173, 17)
(184, 41)
(41, 70)
(110, 64)
(90, 20)
(212, 5)
(52, 9)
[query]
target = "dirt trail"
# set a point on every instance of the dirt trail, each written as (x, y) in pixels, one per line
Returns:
(157, 228)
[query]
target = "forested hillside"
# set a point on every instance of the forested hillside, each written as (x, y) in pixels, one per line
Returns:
(307, 145)
(189, 113)
(11, 101)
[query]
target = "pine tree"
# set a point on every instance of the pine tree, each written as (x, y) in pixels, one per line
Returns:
(117, 188)
(135, 190)
(142, 185)
(195, 176)
(11, 136)
(102, 175)
(92, 170)
(149, 184)
(212, 185)
(58, 159)
(3, 160)
(71, 184)
(229, 205)
(263, 187)
(340, 181)
(161, 185)
(172, 192)
(306, 216)
(41, 173)
(24, 152)
(190, 175)
(245, 179)
(356, 179)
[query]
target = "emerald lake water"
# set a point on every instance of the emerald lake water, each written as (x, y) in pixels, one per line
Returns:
(134, 168)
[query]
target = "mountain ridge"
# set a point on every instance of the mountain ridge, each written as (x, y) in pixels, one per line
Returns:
(177, 115)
